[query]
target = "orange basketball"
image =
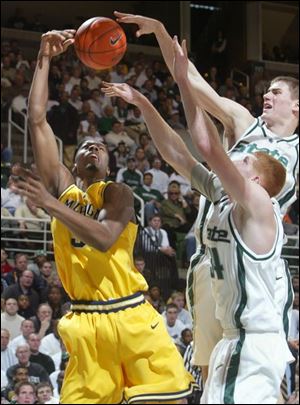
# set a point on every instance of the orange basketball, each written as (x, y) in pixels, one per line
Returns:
(100, 43)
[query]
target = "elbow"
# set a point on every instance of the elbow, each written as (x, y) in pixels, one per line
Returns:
(36, 115)
(205, 148)
(104, 246)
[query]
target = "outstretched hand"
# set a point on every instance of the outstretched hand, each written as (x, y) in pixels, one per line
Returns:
(146, 25)
(27, 183)
(55, 42)
(181, 61)
(122, 90)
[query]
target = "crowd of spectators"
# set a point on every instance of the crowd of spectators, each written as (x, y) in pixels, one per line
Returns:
(33, 299)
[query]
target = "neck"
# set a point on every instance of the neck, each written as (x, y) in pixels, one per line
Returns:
(24, 364)
(282, 129)
(24, 289)
(88, 181)
(10, 316)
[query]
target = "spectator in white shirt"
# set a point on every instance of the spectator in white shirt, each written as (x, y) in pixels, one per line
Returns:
(96, 102)
(139, 71)
(174, 325)
(27, 327)
(10, 319)
(118, 134)
(75, 99)
(9, 199)
(119, 74)
(75, 79)
(149, 90)
(92, 79)
(19, 103)
(50, 344)
(8, 357)
(160, 178)
(183, 315)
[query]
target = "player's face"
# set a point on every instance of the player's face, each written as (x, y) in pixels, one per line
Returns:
(278, 103)
(92, 155)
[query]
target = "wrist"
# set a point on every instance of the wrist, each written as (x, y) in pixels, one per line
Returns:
(141, 101)
(159, 28)
(49, 205)
(43, 55)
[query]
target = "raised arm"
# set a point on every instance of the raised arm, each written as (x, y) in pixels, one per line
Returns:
(234, 117)
(245, 192)
(54, 175)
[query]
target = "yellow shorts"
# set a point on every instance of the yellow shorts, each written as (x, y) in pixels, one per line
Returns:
(119, 354)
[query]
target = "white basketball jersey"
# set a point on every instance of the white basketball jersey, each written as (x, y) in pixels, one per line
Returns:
(243, 283)
(258, 138)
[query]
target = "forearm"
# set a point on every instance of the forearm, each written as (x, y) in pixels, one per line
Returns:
(205, 137)
(166, 45)
(43, 329)
(38, 97)
(166, 140)
(87, 230)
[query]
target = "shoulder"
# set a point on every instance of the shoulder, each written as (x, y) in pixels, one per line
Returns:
(180, 324)
(163, 232)
(118, 191)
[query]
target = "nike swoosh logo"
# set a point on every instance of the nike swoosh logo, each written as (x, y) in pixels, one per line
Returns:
(154, 326)
(278, 278)
(220, 365)
(113, 41)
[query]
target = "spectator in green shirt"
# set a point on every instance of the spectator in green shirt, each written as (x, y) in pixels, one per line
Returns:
(152, 198)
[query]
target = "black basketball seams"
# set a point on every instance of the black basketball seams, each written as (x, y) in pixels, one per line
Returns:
(86, 53)
(86, 31)
(115, 59)
(97, 53)
(104, 33)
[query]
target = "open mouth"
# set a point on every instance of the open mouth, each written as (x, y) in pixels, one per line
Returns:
(267, 106)
(93, 156)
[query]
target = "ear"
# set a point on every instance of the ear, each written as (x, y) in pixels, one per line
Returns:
(256, 179)
(107, 172)
(295, 107)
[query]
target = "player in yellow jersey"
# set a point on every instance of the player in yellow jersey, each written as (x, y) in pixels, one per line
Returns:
(119, 347)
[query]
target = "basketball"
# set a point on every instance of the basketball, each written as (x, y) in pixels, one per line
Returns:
(100, 43)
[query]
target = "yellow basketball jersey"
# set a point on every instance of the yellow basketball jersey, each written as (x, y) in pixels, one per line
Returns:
(87, 273)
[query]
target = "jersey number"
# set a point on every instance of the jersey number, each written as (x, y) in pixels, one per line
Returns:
(216, 267)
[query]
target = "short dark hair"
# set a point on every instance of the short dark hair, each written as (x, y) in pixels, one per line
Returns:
(171, 305)
(155, 216)
(44, 384)
(139, 258)
(86, 139)
(24, 383)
